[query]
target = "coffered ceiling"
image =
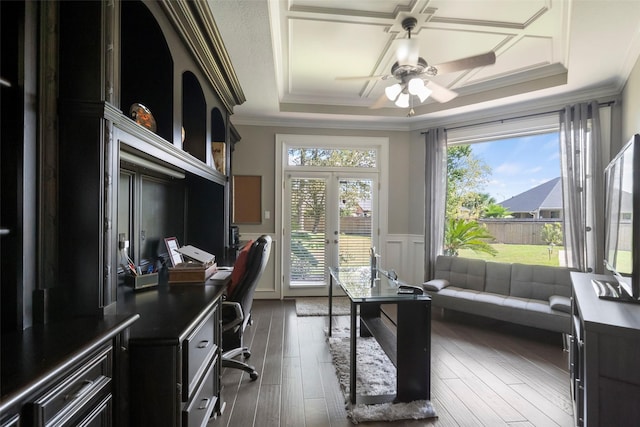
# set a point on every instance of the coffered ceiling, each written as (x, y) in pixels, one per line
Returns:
(289, 55)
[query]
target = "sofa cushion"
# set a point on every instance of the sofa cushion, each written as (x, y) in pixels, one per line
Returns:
(435, 285)
(463, 272)
(560, 303)
(539, 282)
(498, 278)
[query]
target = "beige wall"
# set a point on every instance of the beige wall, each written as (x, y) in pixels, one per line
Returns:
(631, 104)
(255, 155)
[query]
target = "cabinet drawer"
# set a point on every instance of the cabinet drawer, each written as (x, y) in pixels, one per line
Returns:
(76, 395)
(13, 421)
(199, 348)
(199, 409)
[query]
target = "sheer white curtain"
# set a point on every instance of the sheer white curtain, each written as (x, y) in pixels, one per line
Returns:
(435, 197)
(583, 188)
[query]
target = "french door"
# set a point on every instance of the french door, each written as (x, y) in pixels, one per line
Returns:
(331, 219)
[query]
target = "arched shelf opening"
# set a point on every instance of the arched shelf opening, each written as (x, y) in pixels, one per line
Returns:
(146, 75)
(194, 117)
(218, 141)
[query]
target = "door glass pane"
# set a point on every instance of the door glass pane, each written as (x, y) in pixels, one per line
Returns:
(308, 231)
(355, 222)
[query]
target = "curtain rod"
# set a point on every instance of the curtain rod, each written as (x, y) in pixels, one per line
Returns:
(526, 116)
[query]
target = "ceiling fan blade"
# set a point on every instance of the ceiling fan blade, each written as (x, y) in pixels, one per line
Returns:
(380, 102)
(488, 58)
(440, 93)
(363, 78)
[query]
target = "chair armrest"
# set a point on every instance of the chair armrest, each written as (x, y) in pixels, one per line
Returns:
(232, 315)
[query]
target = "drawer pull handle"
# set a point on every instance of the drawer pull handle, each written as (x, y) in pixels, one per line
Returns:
(86, 386)
(204, 344)
(204, 404)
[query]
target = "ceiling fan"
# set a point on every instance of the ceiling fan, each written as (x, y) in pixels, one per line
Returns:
(412, 73)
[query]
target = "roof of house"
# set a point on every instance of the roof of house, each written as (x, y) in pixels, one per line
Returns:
(545, 196)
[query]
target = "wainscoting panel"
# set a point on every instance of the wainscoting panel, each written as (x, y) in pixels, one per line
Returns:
(404, 253)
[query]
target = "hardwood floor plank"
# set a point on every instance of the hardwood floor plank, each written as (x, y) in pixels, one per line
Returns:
(557, 414)
(272, 367)
(291, 347)
(315, 411)
(268, 409)
(454, 404)
(292, 405)
(335, 399)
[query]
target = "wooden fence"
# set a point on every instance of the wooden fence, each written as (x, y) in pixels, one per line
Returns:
(518, 231)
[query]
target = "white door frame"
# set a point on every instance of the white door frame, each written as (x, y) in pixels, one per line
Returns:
(283, 141)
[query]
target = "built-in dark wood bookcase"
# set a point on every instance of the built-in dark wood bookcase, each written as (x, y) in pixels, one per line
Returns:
(77, 170)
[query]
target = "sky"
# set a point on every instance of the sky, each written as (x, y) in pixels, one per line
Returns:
(519, 164)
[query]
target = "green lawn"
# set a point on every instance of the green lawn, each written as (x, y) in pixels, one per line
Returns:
(525, 254)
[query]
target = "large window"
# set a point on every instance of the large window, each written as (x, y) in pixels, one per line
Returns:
(504, 200)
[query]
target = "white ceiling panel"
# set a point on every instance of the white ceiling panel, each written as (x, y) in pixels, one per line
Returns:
(303, 46)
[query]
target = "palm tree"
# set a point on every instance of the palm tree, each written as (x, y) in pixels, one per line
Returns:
(465, 234)
(495, 210)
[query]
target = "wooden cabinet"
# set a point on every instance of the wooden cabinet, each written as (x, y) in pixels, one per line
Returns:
(175, 354)
(605, 357)
(66, 373)
(73, 70)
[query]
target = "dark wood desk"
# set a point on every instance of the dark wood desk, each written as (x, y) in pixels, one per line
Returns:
(409, 349)
(175, 352)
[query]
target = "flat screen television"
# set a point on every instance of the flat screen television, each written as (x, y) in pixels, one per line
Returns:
(622, 221)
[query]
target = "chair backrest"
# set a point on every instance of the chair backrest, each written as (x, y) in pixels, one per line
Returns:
(256, 262)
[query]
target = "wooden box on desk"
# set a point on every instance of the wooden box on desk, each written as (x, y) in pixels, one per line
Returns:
(191, 273)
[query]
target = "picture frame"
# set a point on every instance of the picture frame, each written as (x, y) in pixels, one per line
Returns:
(172, 249)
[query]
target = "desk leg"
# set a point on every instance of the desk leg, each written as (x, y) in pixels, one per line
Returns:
(352, 361)
(414, 351)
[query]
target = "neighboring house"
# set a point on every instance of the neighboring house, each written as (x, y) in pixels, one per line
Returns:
(543, 201)
(363, 208)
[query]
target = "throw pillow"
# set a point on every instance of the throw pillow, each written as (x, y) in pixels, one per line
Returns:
(560, 303)
(239, 267)
(435, 285)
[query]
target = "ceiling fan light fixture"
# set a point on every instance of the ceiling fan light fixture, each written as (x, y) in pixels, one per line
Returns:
(393, 91)
(415, 85)
(403, 100)
(424, 93)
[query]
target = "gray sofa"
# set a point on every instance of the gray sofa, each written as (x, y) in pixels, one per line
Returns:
(530, 295)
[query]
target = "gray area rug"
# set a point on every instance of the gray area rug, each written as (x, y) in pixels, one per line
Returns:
(319, 306)
(375, 375)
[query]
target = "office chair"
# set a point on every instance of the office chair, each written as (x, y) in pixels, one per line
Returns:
(236, 309)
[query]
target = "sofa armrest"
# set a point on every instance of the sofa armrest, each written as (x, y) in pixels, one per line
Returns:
(560, 303)
(435, 285)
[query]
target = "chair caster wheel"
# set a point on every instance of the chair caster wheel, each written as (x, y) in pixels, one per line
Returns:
(253, 375)
(246, 354)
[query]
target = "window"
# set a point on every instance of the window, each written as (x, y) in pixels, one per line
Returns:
(504, 200)
(332, 157)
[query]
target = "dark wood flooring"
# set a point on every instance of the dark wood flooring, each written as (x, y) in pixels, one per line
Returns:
(484, 373)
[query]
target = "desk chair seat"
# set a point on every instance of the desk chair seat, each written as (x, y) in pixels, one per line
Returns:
(236, 309)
